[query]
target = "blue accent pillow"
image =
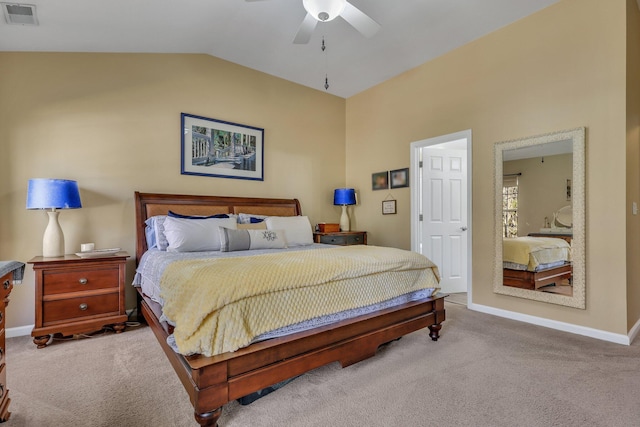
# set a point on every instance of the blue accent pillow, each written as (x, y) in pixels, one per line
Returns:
(254, 220)
(177, 215)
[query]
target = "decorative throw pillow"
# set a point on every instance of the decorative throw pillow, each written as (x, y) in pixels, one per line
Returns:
(244, 240)
(297, 229)
(244, 218)
(177, 215)
(194, 235)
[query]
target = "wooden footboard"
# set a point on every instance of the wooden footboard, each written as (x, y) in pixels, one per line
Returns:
(211, 382)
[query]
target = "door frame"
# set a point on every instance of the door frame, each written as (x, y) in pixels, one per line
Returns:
(415, 179)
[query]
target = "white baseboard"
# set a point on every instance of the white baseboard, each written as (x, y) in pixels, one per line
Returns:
(19, 331)
(560, 326)
(635, 330)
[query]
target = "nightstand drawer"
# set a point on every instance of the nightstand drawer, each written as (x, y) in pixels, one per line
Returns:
(6, 285)
(342, 239)
(58, 282)
(334, 239)
(73, 308)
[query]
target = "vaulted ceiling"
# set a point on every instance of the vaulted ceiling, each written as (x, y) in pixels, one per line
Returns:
(259, 34)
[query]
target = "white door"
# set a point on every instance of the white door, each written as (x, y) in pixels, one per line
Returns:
(442, 211)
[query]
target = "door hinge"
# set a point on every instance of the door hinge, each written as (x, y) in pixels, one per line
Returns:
(420, 217)
(420, 164)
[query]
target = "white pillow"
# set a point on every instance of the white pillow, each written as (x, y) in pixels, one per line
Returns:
(297, 229)
(194, 235)
(244, 239)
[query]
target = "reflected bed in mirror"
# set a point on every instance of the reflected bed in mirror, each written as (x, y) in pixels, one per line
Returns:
(540, 218)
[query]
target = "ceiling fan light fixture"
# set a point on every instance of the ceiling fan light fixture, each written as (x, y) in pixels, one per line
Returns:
(324, 10)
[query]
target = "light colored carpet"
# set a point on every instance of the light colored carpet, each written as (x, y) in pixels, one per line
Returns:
(484, 371)
(457, 298)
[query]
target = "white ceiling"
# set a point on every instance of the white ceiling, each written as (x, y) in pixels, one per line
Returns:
(259, 34)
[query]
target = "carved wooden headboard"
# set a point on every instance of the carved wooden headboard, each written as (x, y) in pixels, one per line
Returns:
(151, 204)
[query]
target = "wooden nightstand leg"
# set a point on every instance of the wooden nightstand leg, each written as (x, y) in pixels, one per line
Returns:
(42, 341)
(119, 327)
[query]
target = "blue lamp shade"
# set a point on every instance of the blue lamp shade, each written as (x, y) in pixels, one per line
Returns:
(344, 196)
(53, 194)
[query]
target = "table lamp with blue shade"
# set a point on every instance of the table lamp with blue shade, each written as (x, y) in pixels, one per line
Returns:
(344, 197)
(53, 194)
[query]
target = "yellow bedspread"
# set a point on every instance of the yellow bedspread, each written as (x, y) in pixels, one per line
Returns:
(533, 251)
(220, 305)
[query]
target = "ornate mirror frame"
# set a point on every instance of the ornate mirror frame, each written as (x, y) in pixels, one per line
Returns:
(578, 299)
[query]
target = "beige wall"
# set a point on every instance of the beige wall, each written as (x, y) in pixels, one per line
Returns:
(633, 161)
(561, 68)
(541, 189)
(112, 122)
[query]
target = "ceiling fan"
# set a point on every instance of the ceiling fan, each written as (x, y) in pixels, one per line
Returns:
(327, 10)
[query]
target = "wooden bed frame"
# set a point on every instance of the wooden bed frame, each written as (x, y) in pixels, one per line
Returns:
(211, 382)
(535, 280)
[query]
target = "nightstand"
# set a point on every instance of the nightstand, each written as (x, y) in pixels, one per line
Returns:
(76, 295)
(343, 238)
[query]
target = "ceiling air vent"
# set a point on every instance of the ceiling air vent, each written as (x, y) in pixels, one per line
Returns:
(20, 14)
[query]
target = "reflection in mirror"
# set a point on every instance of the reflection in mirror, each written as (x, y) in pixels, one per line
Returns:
(539, 216)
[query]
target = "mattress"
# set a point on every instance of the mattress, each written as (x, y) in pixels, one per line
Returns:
(535, 253)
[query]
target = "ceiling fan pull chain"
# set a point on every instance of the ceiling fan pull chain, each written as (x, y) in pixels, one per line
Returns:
(326, 65)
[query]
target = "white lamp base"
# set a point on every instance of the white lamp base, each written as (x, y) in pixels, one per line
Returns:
(53, 240)
(344, 219)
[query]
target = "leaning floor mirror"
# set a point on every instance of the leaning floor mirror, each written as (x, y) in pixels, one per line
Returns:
(540, 218)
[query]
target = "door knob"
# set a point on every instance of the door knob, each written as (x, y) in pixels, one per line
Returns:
(463, 228)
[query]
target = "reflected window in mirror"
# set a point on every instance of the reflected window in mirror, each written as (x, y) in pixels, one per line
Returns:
(510, 205)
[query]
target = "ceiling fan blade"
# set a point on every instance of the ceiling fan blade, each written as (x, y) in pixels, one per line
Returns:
(306, 29)
(359, 20)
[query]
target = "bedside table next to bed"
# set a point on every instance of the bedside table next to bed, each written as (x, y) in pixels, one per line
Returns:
(343, 238)
(76, 295)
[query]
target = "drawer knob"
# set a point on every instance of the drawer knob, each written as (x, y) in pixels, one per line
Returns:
(6, 284)
(83, 306)
(83, 281)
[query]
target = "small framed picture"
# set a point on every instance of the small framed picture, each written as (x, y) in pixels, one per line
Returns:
(380, 180)
(388, 207)
(399, 178)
